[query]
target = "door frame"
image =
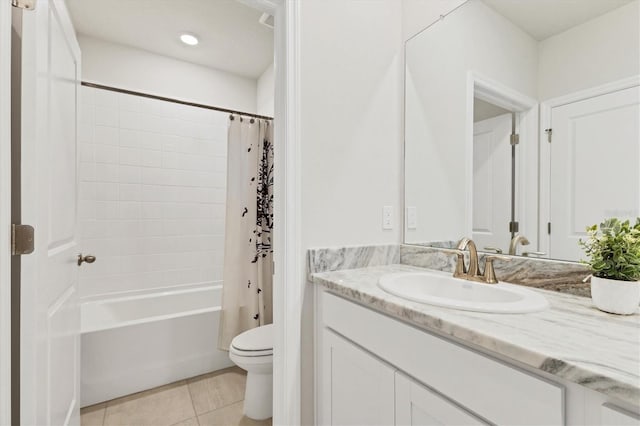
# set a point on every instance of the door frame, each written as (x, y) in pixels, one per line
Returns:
(289, 275)
(289, 265)
(5, 213)
(546, 108)
(289, 271)
(526, 107)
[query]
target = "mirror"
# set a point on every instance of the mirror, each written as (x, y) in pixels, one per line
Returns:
(522, 124)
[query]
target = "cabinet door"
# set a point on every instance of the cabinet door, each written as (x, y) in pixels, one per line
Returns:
(418, 405)
(358, 388)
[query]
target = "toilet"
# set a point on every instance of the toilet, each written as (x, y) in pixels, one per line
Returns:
(253, 351)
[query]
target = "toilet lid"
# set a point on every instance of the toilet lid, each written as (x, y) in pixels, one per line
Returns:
(259, 339)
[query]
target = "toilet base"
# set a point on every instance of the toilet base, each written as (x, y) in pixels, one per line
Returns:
(258, 396)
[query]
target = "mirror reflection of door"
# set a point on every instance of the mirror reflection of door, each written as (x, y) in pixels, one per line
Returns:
(491, 176)
(595, 172)
(561, 65)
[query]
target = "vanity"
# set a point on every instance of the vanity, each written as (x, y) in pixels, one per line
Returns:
(384, 360)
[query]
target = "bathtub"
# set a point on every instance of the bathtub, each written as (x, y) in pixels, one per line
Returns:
(137, 342)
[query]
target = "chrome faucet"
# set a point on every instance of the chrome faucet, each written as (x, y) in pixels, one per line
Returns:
(517, 239)
(473, 272)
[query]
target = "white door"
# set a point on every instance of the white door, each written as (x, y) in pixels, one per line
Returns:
(595, 152)
(50, 315)
(418, 405)
(492, 182)
(358, 389)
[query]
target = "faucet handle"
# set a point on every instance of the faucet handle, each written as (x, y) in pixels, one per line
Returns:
(489, 272)
(460, 270)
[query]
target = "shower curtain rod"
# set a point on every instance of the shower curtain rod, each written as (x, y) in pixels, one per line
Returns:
(175, 101)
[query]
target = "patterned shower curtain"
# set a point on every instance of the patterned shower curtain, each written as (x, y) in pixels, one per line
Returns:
(248, 248)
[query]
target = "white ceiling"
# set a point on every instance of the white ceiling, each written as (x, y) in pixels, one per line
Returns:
(544, 18)
(231, 38)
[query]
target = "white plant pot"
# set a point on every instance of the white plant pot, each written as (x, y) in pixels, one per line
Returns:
(616, 297)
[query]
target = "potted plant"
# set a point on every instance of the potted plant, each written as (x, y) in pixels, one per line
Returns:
(613, 250)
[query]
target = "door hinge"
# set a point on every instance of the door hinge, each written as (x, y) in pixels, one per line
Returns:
(514, 226)
(549, 228)
(549, 133)
(24, 4)
(515, 139)
(22, 240)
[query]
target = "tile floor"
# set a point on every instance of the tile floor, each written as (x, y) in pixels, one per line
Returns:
(214, 399)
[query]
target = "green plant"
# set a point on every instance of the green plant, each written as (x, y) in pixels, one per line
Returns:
(613, 249)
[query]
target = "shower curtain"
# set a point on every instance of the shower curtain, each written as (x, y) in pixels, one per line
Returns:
(248, 249)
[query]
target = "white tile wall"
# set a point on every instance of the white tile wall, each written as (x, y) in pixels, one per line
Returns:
(152, 193)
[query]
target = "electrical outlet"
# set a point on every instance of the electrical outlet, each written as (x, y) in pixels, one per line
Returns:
(412, 218)
(387, 217)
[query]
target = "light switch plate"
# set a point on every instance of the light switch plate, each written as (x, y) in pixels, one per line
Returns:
(412, 218)
(387, 217)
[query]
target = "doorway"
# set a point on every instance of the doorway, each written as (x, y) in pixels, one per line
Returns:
(285, 63)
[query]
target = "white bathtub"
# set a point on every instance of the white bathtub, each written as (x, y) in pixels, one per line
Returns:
(141, 341)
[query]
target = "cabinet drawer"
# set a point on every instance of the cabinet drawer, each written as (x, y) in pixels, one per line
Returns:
(613, 416)
(491, 389)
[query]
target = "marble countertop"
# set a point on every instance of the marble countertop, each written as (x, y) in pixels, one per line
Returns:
(571, 339)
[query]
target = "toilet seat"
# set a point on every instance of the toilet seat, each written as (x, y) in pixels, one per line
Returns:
(257, 342)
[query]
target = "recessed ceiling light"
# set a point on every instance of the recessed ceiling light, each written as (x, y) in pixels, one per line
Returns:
(189, 39)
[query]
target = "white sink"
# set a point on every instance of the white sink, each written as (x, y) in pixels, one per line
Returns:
(442, 289)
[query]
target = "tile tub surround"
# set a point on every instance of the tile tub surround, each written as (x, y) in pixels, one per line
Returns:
(338, 258)
(556, 275)
(572, 339)
(152, 192)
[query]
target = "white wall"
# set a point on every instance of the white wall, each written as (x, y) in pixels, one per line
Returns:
(418, 14)
(152, 193)
(351, 96)
(125, 67)
(351, 148)
(265, 93)
(599, 51)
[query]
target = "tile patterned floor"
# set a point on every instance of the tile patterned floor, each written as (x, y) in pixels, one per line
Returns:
(213, 399)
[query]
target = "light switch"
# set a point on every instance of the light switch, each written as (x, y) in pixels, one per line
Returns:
(412, 218)
(387, 217)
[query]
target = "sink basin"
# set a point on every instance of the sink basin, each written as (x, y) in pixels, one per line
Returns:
(442, 289)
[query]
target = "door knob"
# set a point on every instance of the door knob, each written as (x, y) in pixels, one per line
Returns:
(88, 259)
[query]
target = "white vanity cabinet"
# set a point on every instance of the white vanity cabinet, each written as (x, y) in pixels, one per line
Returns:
(359, 350)
(361, 389)
(358, 388)
(419, 405)
(613, 416)
(372, 369)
